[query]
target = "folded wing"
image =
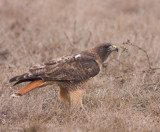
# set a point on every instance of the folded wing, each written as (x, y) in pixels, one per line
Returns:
(69, 68)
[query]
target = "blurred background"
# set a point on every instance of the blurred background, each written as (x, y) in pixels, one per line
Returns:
(125, 96)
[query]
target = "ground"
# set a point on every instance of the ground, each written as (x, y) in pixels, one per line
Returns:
(124, 97)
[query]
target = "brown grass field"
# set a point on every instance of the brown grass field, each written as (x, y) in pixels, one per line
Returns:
(124, 97)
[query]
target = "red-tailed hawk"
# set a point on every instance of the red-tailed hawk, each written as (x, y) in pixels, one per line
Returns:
(70, 73)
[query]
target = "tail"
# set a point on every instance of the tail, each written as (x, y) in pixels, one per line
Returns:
(17, 78)
(23, 78)
(28, 88)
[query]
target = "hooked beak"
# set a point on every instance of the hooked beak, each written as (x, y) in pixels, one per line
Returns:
(114, 48)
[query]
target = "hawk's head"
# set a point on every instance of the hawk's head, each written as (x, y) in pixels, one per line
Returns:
(103, 50)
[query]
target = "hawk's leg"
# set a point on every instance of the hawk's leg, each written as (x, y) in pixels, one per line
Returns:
(82, 108)
(76, 96)
(72, 97)
(64, 95)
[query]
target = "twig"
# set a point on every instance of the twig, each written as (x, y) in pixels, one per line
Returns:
(65, 34)
(155, 68)
(144, 51)
(123, 64)
(88, 39)
(149, 84)
(75, 32)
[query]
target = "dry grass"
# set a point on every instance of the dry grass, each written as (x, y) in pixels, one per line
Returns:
(124, 97)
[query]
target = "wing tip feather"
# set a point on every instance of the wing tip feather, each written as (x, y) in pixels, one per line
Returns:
(13, 79)
(19, 78)
(15, 95)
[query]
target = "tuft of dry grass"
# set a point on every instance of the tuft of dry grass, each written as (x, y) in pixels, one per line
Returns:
(124, 97)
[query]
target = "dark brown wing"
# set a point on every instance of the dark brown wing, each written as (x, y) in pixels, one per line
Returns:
(35, 72)
(68, 69)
